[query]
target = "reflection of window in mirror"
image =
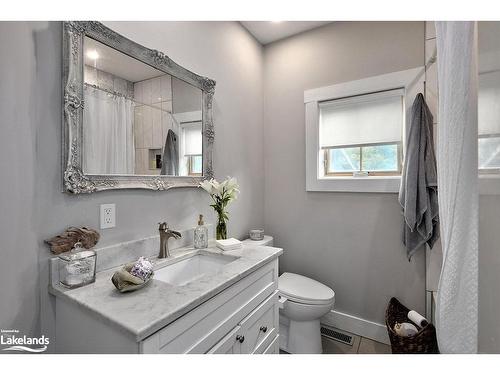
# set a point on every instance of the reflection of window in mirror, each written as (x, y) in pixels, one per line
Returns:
(191, 149)
(195, 165)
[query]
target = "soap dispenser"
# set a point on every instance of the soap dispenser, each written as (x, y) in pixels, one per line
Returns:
(201, 235)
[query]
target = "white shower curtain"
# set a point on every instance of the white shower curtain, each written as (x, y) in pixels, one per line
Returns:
(108, 133)
(457, 299)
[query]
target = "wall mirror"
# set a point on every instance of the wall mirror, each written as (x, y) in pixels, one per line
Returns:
(133, 118)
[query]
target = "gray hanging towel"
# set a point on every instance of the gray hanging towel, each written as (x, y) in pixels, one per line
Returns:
(418, 192)
(170, 162)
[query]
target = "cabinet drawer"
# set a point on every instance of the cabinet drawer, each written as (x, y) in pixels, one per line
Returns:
(262, 323)
(230, 344)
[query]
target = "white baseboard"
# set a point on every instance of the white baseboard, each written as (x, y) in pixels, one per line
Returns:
(356, 325)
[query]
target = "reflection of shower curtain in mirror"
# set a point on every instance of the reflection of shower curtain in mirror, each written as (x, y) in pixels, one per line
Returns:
(108, 133)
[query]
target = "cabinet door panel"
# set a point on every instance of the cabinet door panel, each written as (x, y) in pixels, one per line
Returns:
(262, 346)
(274, 347)
(261, 323)
(230, 344)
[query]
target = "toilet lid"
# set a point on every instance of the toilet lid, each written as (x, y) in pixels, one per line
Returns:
(302, 289)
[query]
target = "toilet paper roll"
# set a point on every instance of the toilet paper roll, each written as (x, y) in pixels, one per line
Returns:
(418, 319)
(405, 329)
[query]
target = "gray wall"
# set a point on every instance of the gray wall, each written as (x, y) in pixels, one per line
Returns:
(489, 274)
(489, 208)
(349, 241)
(18, 242)
(33, 207)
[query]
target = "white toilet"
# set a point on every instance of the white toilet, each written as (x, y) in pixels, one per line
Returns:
(304, 301)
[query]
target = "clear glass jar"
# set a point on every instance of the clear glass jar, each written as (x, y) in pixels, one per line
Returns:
(77, 267)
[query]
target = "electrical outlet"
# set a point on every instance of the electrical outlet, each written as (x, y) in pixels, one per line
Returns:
(108, 216)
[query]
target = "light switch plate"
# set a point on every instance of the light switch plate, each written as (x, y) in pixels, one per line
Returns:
(108, 215)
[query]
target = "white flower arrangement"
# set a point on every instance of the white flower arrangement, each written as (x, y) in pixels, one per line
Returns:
(222, 194)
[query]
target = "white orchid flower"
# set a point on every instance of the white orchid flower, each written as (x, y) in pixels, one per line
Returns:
(216, 187)
(229, 187)
(233, 185)
(223, 185)
(207, 186)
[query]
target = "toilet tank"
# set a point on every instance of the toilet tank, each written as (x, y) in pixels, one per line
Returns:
(267, 241)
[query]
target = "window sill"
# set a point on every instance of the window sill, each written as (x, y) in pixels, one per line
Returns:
(371, 184)
(489, 184)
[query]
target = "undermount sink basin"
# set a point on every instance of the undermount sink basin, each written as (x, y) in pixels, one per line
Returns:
(192, 268)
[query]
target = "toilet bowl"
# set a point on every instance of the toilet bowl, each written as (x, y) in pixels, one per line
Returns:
(304, 302)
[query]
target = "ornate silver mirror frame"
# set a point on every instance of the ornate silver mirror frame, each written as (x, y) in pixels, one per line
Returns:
(74, 179)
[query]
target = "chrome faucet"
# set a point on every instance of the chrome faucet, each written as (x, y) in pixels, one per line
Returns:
(165, 234)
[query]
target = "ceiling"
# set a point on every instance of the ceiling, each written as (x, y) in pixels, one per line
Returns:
(270, 31)
(117, 63)
(121, 65)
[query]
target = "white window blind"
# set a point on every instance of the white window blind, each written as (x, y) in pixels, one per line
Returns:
(489, 103)
(192, 138)
(364, 119)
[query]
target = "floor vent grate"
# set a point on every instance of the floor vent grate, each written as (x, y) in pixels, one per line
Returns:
(333, 334)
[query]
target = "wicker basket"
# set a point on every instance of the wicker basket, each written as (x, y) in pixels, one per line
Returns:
(424, 342)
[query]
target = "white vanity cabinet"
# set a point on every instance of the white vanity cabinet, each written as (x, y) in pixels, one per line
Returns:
(240, 319)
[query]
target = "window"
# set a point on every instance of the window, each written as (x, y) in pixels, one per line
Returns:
(191, 148)
(361, 135)
(375, 160)
(489, 122)
(195, 165)
(354, 132)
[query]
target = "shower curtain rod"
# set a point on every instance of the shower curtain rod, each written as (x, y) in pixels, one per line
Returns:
(432, 60)
(115, 93)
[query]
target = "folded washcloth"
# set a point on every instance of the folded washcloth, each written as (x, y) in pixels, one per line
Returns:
(229, 244)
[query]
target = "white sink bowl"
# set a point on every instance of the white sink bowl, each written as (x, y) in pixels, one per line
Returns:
(192, 268)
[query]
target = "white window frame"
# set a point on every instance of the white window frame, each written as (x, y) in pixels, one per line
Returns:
(399, 93)
(411, 81)
(489, 179)
(181, 119)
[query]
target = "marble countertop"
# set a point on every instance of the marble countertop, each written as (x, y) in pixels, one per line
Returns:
(145, 311)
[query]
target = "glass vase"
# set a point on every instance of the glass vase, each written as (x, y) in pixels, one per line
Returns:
(221, 229)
